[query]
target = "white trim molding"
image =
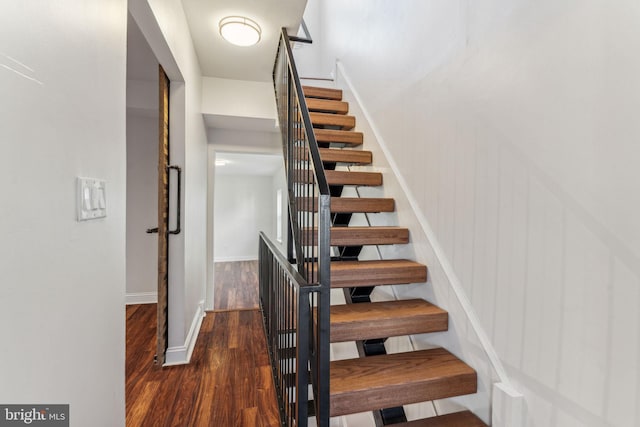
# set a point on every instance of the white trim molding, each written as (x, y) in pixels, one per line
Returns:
(181, 355)
(142, 298)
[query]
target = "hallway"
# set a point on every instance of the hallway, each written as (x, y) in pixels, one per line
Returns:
(236, 285)
(227, 383)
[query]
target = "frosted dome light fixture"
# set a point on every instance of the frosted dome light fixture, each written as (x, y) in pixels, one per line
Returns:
(240, 30)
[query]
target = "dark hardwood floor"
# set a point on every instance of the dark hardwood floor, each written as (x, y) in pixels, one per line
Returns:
(236, 285)
(228, 382)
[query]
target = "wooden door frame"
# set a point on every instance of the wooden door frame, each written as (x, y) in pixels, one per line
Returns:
(163, 218)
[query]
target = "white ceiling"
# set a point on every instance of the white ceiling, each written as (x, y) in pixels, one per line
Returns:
(219, 58)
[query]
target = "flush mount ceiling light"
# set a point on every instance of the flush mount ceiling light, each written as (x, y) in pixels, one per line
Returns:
(240, 31)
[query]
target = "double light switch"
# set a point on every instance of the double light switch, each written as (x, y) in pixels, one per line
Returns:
(91, 198)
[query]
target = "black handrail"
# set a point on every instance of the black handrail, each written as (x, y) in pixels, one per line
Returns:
(309, 200)
(304, 112)
(307, 37)
(178, 169)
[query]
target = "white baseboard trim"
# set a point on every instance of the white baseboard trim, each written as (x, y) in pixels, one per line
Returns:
(141, 298)
(235, 258)
(181, 355)
(440, 255)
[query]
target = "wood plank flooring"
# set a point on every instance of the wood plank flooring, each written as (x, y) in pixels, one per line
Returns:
(235, 285)
(228, 382)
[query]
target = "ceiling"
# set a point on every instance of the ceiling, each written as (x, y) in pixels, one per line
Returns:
(219, 58)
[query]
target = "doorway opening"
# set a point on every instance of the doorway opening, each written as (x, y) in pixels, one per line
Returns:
(147, 183)
(245, 202)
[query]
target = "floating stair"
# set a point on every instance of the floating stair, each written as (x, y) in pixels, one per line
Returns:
(327, 106)
(331, 155)
(351, 204)
(354, 178)
(360, 236)
(345, 178)
(356, 204)
(374, 382)
(382, 382)
(339, 121)
(372, 273)
(352, 236)
(322, 93)
(338, 136)
(353, 322)
(345, 156)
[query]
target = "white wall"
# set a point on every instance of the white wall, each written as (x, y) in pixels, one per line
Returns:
(211, 179)
(244, 206)
(62, 115)
(164, 25)
(249, 141)
(142, 208)
(280, 183)
(238, 98)
(512, 125)
(142, 168)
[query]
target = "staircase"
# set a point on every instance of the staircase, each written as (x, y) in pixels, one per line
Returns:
(377, 381)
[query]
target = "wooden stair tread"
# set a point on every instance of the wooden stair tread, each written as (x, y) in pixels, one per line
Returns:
(333, 155)
(337, 136)
(356, 236)
(384, 381)
(322, 92)
(327, 106)
(349, 205)
(362, 321)
(457, 419)
(343, 121)
(378, 272)
(353, 178)
(351, 236)
(361, 205)
(343, 177)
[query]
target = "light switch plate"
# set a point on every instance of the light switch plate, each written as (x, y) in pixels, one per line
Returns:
(91, 198)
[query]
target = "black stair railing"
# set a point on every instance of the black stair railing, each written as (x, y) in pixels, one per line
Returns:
(296, 301)
(285, 299)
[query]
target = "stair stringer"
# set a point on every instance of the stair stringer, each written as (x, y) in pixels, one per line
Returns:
(466, 337)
